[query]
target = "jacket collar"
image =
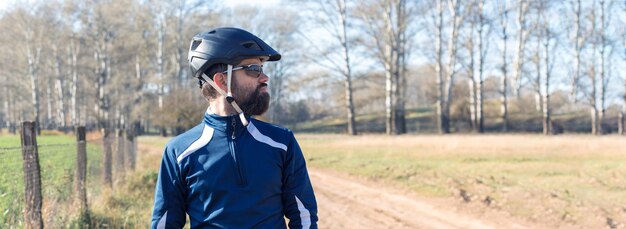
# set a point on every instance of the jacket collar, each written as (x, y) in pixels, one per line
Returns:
(223, 123)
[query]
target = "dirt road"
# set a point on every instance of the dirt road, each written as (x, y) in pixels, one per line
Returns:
(352, 203)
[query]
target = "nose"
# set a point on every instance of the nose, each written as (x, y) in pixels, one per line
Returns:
(263, 78)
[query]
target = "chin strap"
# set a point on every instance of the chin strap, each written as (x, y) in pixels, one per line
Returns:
(229, 96)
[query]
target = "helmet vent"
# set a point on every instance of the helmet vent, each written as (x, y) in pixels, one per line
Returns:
(251, 45)
(195, 44)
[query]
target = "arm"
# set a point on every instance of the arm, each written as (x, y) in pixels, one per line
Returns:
(298, 197)
(169, 200)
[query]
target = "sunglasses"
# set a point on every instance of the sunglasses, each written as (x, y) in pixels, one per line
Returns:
(253, 70)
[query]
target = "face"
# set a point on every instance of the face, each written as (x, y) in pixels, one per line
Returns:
(250, 91)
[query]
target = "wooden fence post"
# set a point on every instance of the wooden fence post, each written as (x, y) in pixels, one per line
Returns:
(107, 176)
(32, 177)
(81, 170)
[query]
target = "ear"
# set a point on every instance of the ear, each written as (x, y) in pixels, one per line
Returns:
(220, 80)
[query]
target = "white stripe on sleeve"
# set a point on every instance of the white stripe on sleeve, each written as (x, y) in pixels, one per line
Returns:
(265, 139)
(305, 216)
(161, 224)
(205, 138)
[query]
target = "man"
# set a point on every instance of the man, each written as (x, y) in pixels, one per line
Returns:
(233, 171)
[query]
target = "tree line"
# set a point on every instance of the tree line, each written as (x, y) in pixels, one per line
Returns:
(118, 63)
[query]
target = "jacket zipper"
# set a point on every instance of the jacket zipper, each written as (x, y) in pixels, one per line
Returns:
(234, 153)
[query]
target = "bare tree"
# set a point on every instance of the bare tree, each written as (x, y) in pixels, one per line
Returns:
(546, 35)
(32, 33)
(182, 9)
(593, 95)
(347, 72)
(443, 118)
(604, 78)
(471, 67)
(160, 62)
(59, 86)
(444, 85)
(335, 20)
(622, 119)
(536, 81)
(72, 54)
(522, 38)
(393, 18)
(476, 81)
(100, 34)
(579, 42)
(504, 104)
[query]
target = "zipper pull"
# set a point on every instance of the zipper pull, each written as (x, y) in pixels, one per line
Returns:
(234, 126)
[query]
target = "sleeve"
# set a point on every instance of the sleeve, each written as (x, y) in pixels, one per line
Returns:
(169, 196)
(299, 203)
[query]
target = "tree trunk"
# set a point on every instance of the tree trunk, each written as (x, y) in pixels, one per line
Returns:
(348, 70)
(482, 49)
(400, 67)
(389, 111)
(11, 115)
(180, 53)
(390, 55)
(451, 70)
(48, 122)
(60, 97)
(103, 71)
(620, 122)
(504, 106)
(442, 120)
(7, 109)
(33, 62)
(603, 80)
(522, 37)
(537, 79)
(472, 104)
(471, 81)
(578, 49)
(547, 122)
(160, 69)
(592, 75)
(73, 60)
(623, 113)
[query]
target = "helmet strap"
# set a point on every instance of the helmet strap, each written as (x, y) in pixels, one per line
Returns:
(229, 77)
(227, 95)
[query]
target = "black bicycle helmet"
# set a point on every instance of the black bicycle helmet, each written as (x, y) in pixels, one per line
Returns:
(226, 46)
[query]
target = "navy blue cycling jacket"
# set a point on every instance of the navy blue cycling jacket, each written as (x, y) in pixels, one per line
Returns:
(225, 175)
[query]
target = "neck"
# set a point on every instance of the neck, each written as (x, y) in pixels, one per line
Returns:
(221, 107)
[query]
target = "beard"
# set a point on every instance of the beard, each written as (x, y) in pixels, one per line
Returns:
(253, 103)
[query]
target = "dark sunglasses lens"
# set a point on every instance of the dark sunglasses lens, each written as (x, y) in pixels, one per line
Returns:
(254, 70)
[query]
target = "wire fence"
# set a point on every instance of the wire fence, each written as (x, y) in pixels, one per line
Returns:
(60, 170)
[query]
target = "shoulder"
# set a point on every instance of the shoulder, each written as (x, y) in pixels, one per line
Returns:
(181, 142)
(270, 128)
(270, 133)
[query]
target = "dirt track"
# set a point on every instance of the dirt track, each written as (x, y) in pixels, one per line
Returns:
(350, 203)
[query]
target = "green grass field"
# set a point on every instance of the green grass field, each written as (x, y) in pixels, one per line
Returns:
(57, 163)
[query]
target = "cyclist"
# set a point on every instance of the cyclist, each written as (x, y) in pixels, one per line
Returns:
(231, 170)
